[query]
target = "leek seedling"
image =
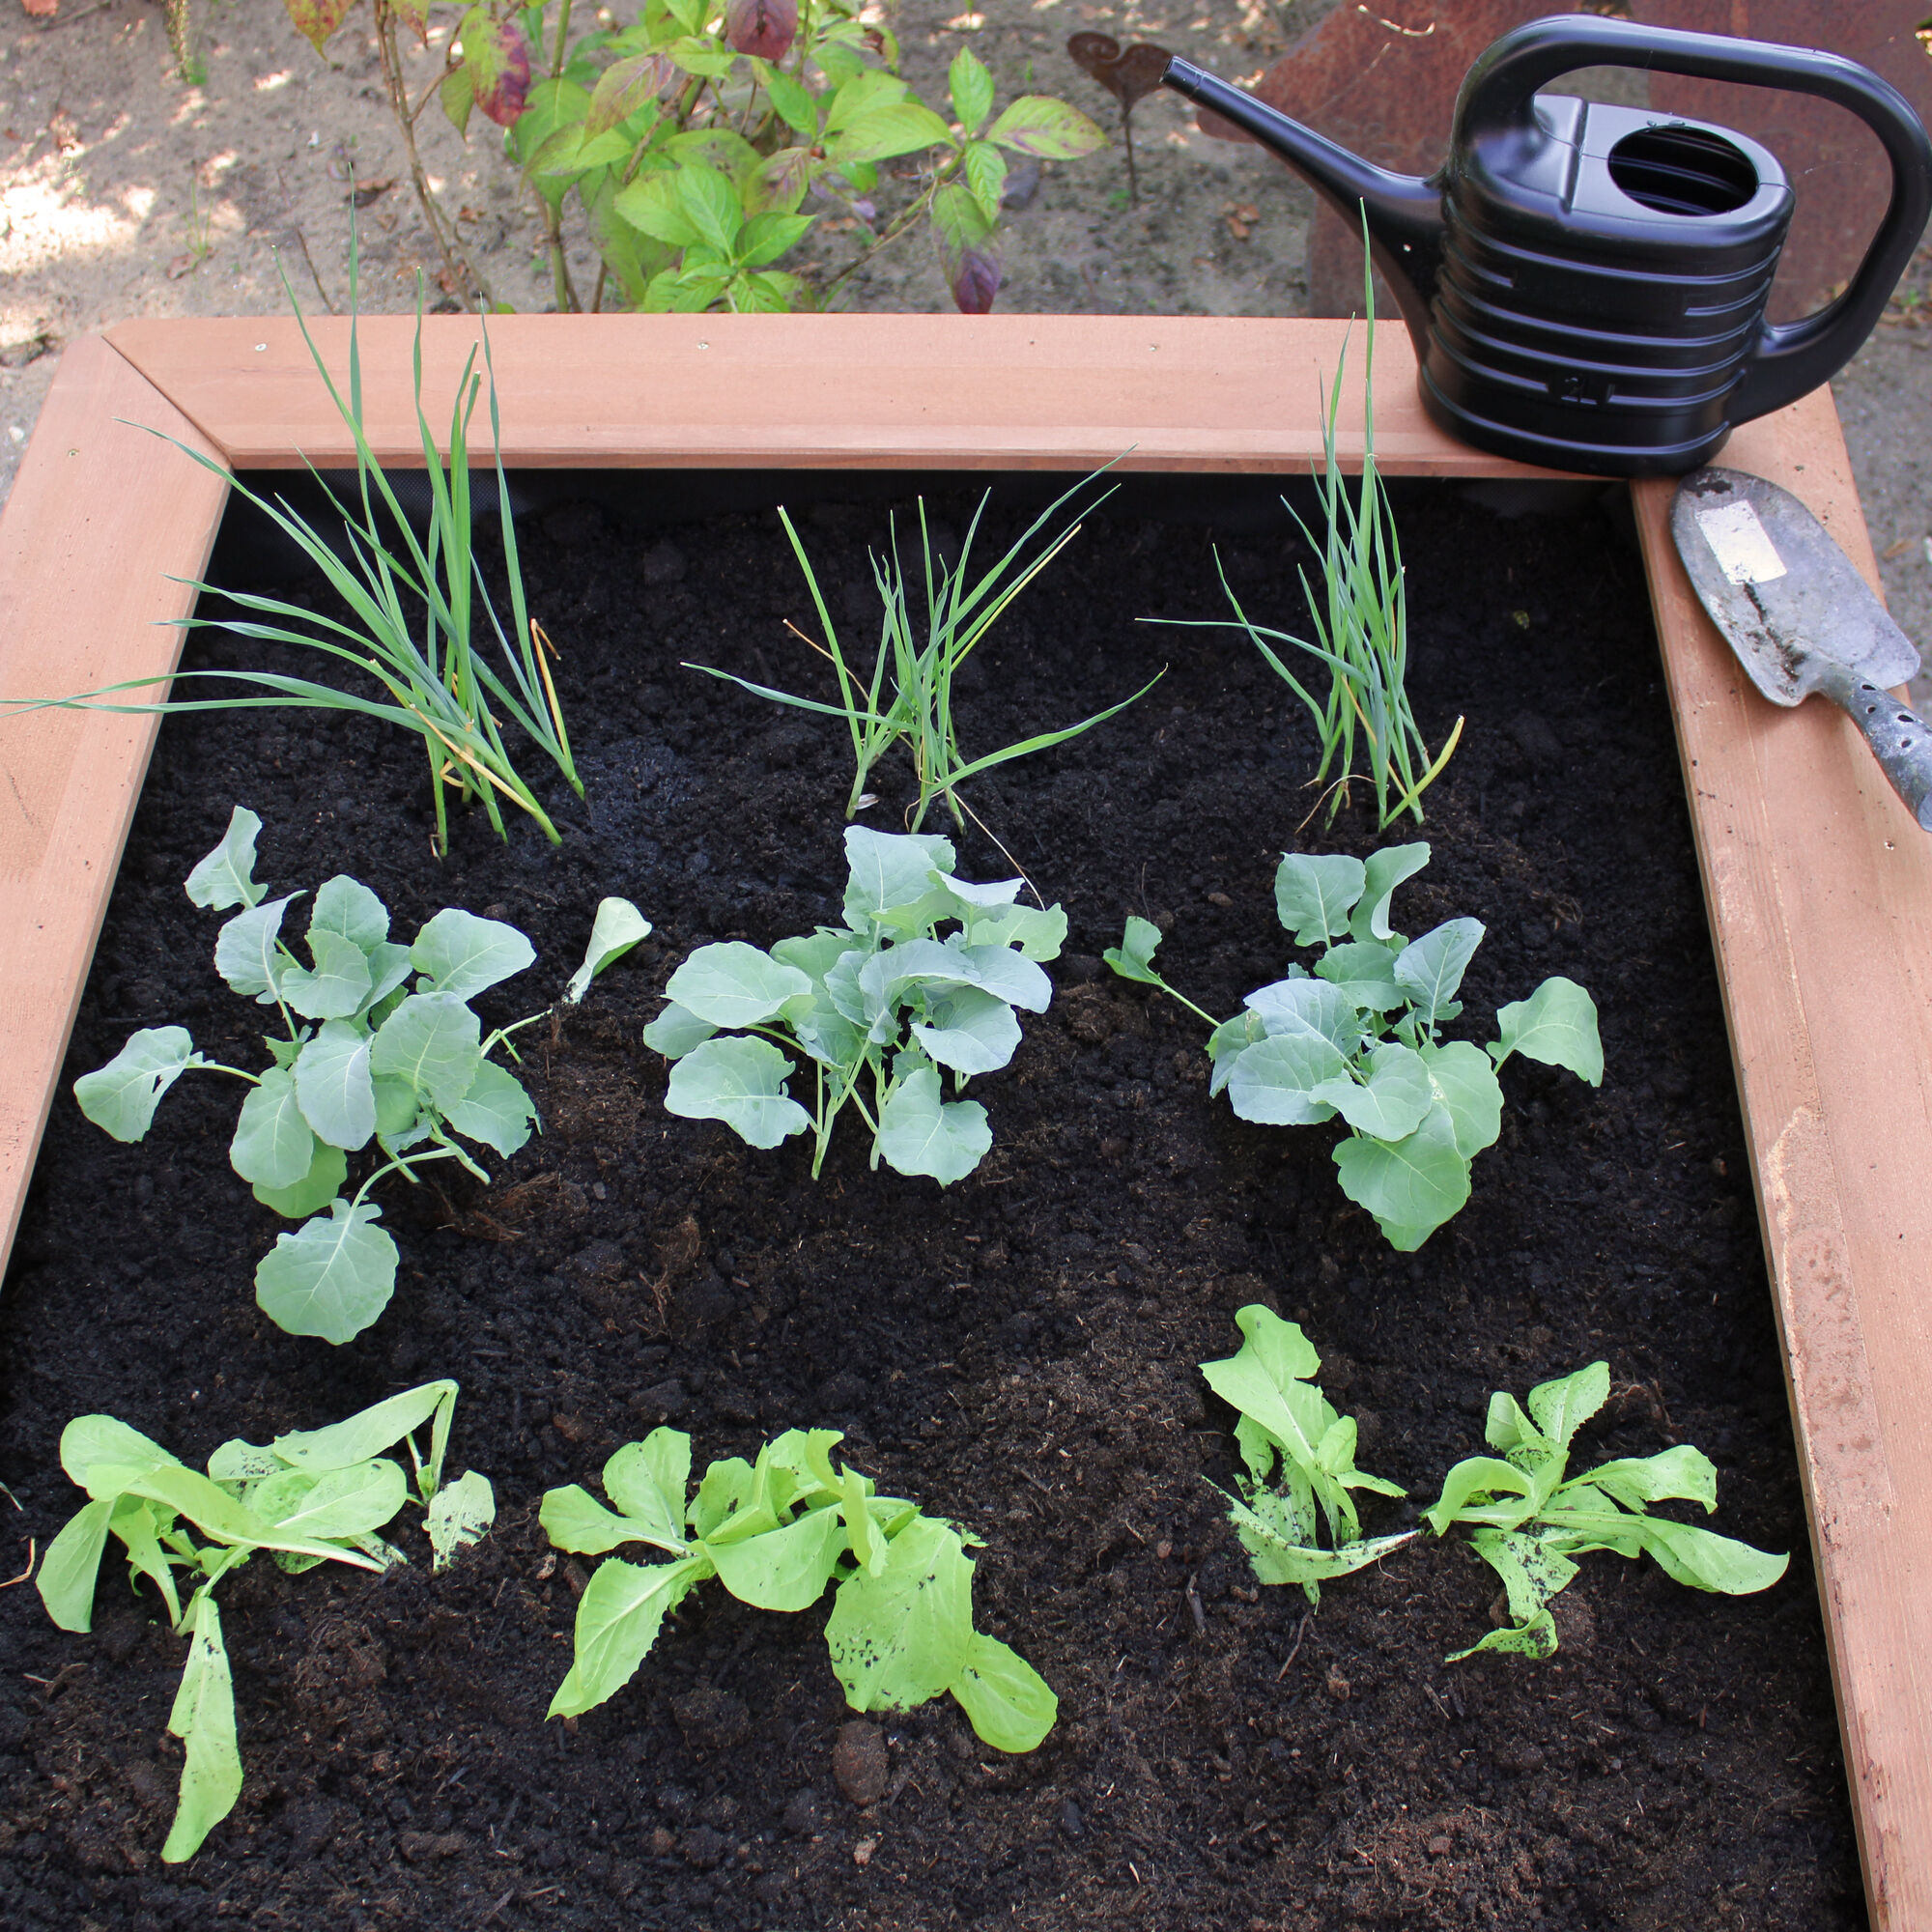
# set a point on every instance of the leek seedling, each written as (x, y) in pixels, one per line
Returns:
(918, 713)
(411, 613)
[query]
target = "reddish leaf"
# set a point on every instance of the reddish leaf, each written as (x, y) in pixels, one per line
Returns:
(498, 58)
(624, 87)
(416, 13)
(313, 19)
(1129, 74)
(975, 282)
(765, 28)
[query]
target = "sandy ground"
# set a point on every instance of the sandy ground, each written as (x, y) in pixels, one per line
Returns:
(125, 190)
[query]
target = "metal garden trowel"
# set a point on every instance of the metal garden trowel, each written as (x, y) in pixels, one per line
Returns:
(1799, 617)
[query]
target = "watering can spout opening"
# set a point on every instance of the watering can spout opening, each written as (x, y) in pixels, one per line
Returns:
(1404, 213)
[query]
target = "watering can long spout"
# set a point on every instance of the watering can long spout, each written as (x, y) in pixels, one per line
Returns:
(1404, 212)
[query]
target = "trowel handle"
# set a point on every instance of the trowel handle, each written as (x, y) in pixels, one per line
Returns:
(1901, 740)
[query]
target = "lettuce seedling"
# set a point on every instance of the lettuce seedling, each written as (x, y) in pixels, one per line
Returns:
(775, 1533)
(881, 1001)
(1529, 1523)
(315, 1496)
(1283, 1415)
(367, 1056)
(1361, 1038)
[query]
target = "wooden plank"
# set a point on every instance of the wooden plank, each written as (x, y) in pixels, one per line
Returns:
(790, 391)
(1819, 885)
(100, 516)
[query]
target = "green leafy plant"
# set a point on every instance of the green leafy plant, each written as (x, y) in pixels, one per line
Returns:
(618, 925)
(1361, 623)
(775, 1533)
(881, 1001)
(1284, 1418)
(688, 141)
(315, 1496)
(1361, 1038)
(436, 685)
(1530, 1523)
(918, 714)
(365, 1056)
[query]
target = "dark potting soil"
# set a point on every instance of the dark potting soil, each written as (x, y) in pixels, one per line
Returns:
(1018, 1350)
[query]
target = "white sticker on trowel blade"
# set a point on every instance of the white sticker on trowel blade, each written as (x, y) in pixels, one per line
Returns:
(1745, 553)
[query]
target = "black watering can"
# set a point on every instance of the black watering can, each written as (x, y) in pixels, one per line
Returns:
(1585, 284)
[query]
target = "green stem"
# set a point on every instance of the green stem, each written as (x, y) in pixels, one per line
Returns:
(217, 1066)
(407, 1163)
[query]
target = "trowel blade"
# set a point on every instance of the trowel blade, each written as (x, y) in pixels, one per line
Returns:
(1779, 588)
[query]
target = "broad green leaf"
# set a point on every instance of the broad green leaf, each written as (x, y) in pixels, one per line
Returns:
(1227, 1043)
(624, 87)
(247, 953)
(1531, 1568)
(1365, 972)
(735, 984)
(617, 927)
(647, 1480)
(971, 88)
(1278, 1561)
(460, 1515)
(1381, 873)
(333, 1503)
(710, 206)
(203, 1718)
(574, 1520)
(73, 1563)
(456, 93)
(122, 1097)
(1277, 1081)
(1040, 934)
(1007, 1701)
(397, 1106)
(702, 58)
(618, 1617)
(652, 205)
(920, 1133)
(1431, 969)
(1468, 1489)
(332, 1277)
(905, 128)
(903, 1635)
(368, 1433)
(1557, 1024)
(741, 1082)
(676, 1030)
(338, 984)
(333, 1085)
(1305, 1005)
(137, 1524)
(431, 1040)
(104, 1455)
(1047, 129)
(1535, 1639)
(1560, 1407)
(1679, 1474)
(1313, 893)
(1707, 1561)
(728, 1482)
(1412, 1185)
(272, 1145)
(769, 235)
(345, 906)
(464, 956)
(226, 876)
(889, 868)
(1393, 1100)
(495, 1109)
(1465, 1083)
(1009, 975)
(968, 1030)
(785, 1569)
(867, 90)
(796, 107)
(388, 968)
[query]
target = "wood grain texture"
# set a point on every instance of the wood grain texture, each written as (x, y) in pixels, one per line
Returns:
(100, 516)
(1819, 885)
(793, 391)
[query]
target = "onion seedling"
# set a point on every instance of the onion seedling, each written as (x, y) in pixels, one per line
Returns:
(919, 712)
(436, 684)
(1361, 1038)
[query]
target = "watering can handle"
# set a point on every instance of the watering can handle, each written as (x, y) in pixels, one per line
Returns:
(1791, 359)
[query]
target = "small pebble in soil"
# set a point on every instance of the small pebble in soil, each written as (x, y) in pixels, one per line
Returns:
(1070, 1820)
(861, 1851)
(859, 1762)
(1439, 1847)
(1337, 1687)
(802, 1815)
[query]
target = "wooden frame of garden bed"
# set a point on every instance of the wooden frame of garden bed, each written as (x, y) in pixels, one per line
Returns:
(1818, 884)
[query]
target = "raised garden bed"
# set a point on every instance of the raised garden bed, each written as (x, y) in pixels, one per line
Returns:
(1037, 1382)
